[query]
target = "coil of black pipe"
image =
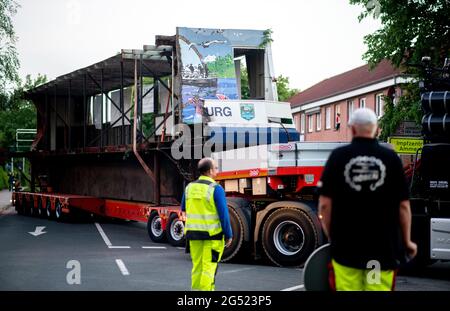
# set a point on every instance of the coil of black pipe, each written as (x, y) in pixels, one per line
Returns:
(436, 124)
(436, 102)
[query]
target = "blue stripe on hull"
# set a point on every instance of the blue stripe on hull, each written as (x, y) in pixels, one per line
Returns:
(252, 136)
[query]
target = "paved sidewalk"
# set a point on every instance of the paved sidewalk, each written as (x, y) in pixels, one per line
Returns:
(5, 200)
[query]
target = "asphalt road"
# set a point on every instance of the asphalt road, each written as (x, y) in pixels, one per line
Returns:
(120, 256)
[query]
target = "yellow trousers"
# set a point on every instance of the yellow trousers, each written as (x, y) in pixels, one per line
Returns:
(205, 255)
(352, 279)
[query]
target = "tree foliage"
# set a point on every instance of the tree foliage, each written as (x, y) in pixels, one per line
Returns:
(9, 62)
(17, 112)
(283, 89)
(410, 30)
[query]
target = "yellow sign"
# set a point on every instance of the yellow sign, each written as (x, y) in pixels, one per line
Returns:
(406, 145)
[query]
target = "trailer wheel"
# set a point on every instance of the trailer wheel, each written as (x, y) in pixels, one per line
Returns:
(238, 236)
(289, 237)
(26, 206)
(175, 231)
(48, 210)
(21, 207)
(41, 209)
(32, 210)
(58, 211)
(154, 228)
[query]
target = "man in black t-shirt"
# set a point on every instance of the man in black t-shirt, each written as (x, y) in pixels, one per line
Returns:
(364, 209)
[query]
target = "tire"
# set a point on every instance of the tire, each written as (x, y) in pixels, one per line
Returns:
(25, 206)
(58, 211)
(48, 211)
(175, 231)
(20, 206)
(154, 228)
(33, 211)
(40, 208)
(289, 237)
(237, 225)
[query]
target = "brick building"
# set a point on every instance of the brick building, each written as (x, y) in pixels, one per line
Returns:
(321, 112)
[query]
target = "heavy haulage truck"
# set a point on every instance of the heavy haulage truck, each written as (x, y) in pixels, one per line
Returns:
(430, 202)
(121, 139)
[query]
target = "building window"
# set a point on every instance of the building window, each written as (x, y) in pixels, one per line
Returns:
(310, 123)
(337, 117)
(302, 123)
(318, 121)
(350, 106)
(379, 105)
(362, 102)
(328, 118)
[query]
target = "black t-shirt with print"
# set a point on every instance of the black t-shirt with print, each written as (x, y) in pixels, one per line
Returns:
(366, 183)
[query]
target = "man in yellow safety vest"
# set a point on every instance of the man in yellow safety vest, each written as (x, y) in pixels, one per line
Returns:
(207, 224)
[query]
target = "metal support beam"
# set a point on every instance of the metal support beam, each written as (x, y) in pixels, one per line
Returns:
(101, 109)
(162, 82)
(156, 185)
(122, 105)
(108, 97)
(84, 111)
(48, 124)
(141, 101)
(108, 128)
(68, 113)
(155, 97)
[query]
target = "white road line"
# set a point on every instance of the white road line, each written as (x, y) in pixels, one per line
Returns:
(122, 267)
(106, 239)
(235, 270)
(293, 288)
(103, 234)
(154, 247)
(181, 248)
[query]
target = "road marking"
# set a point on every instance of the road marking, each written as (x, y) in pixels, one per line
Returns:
(183, 248)
(154, 247)
(103, 234)
(293, 288)
(236, 270)
(122, 267)
(106, 239)
(38, 231)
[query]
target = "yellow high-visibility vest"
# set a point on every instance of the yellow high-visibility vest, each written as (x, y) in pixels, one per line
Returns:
(201, 211)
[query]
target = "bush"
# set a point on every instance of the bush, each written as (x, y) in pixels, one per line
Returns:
(3, 179)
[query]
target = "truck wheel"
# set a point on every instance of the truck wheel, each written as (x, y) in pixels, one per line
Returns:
(41, 209)
(238, 236)
(154, 228)
(21, 207)
(175, 231)
(58, 211)
(33, 211)
(289, 237)
(26, 206)
(48, 210)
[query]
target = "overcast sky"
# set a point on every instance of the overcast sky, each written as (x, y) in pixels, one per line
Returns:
(313, 40)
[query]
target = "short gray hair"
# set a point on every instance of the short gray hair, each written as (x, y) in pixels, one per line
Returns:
(363, 116)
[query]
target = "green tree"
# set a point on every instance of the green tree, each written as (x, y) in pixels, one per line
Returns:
(245, 88)
(284, 92)
(17, 111)
(9, 62)
(410, 30)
